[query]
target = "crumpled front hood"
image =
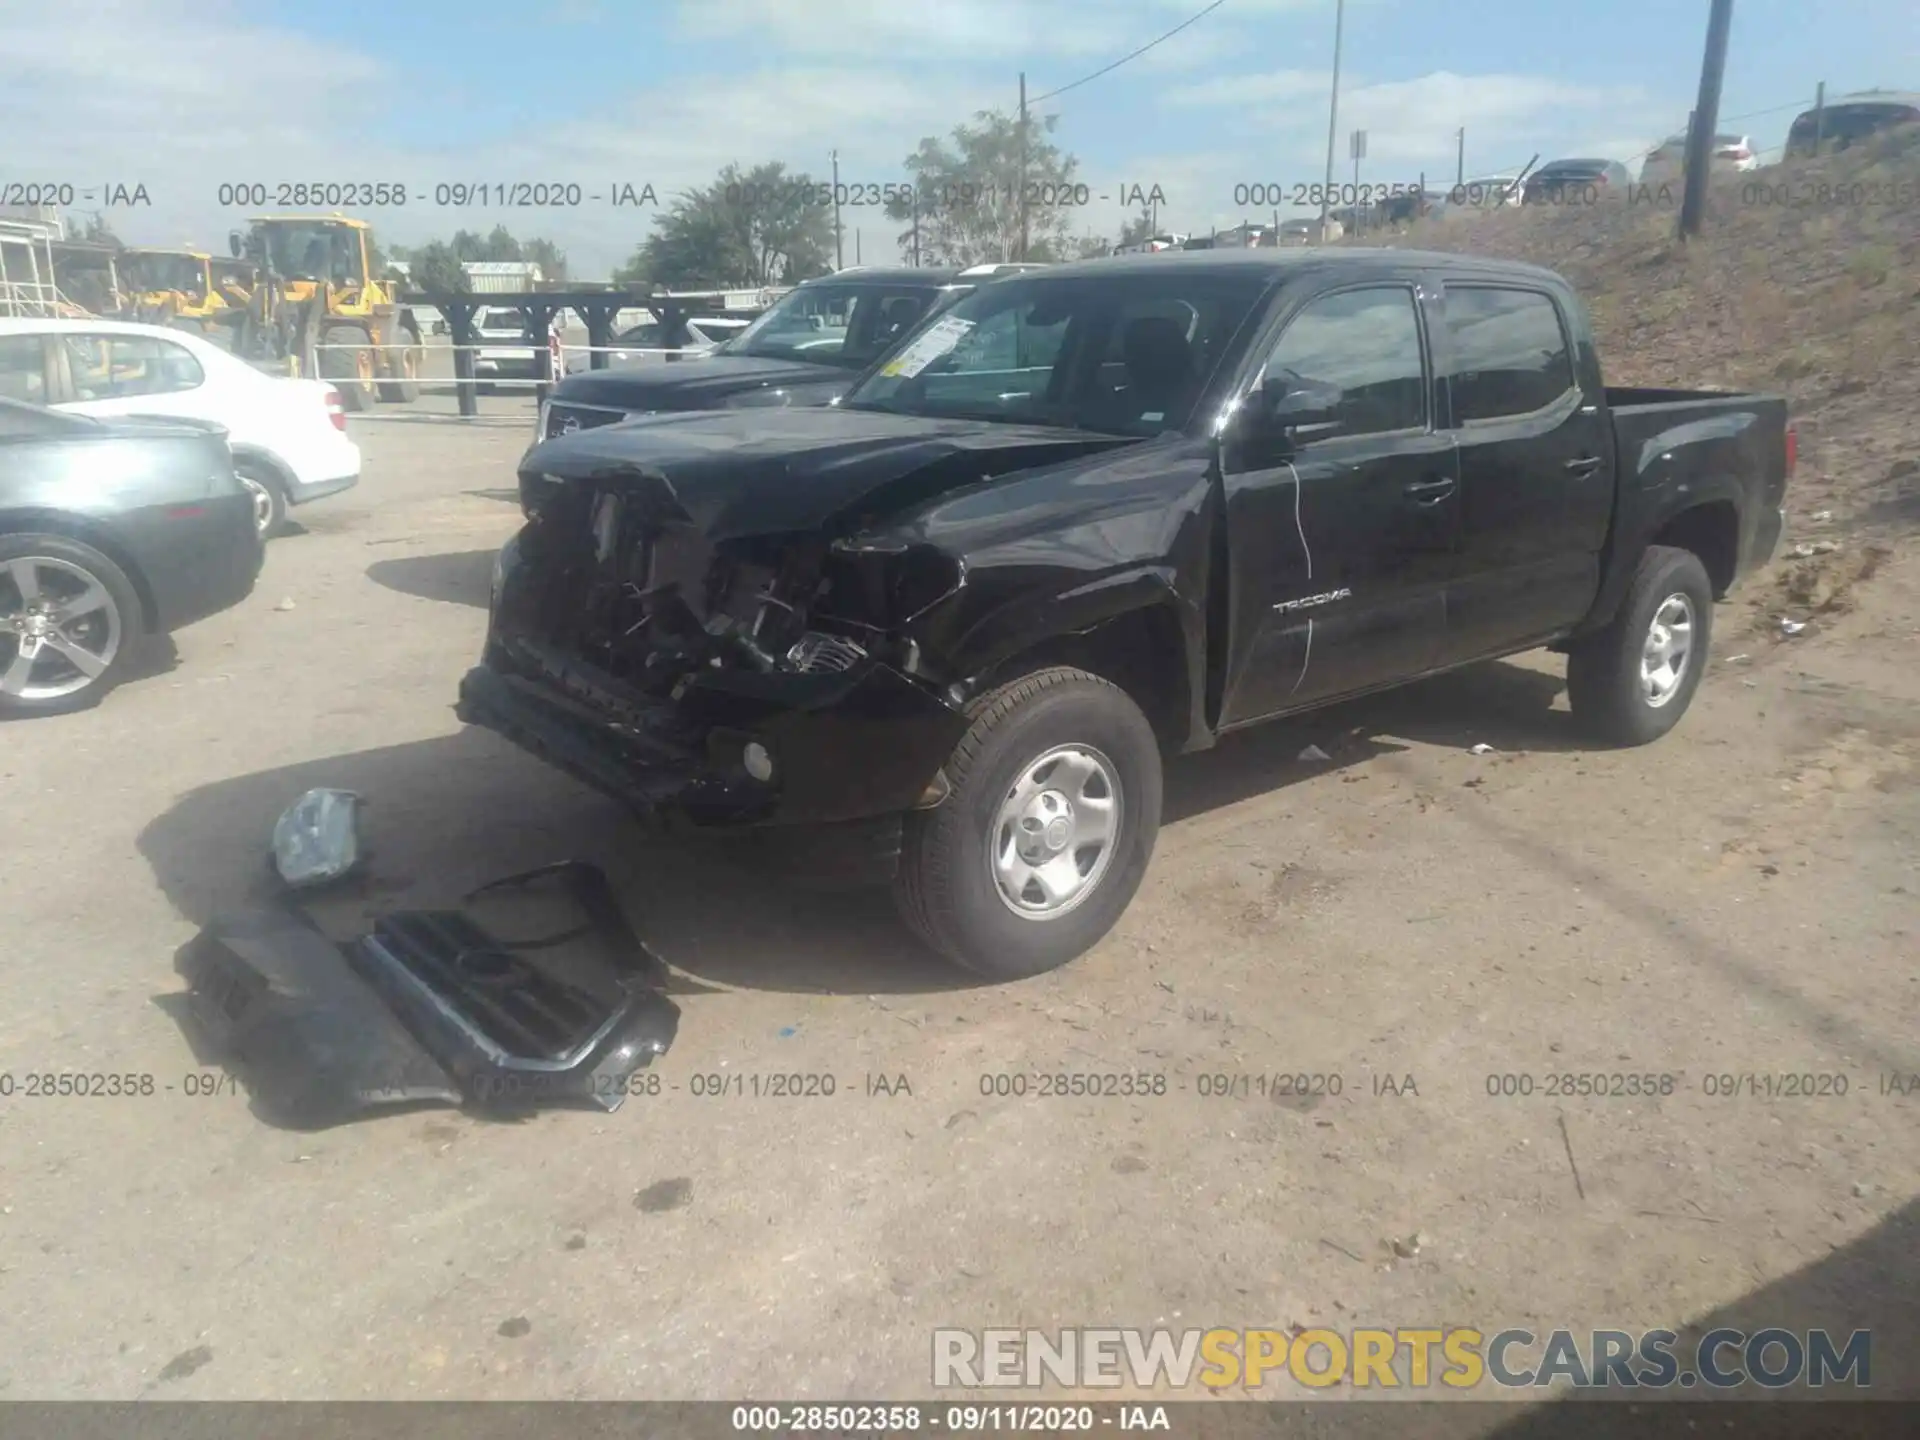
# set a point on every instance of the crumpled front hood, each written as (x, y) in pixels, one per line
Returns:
(768, 472)
(700, 382)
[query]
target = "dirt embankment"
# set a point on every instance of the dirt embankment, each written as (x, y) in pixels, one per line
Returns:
(1804, 281)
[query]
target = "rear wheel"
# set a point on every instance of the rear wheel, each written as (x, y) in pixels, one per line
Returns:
(347, 364)
(1046, 832)
(269, 499)
(69, 624)
(1631, 683)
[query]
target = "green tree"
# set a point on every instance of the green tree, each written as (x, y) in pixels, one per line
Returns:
(1138, 229)
(551, 259)
(968, 187)
(749, 227)
(435, 269)
(99, 231)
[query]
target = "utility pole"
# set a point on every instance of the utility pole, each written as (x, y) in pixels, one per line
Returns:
(839, 260)
(1819, 114)
(1460, 157)
(1333, 116)
(1023, 166)
(1706, 117)
(915, 202)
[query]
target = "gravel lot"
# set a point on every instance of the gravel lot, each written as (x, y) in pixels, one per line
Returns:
(1742, 897)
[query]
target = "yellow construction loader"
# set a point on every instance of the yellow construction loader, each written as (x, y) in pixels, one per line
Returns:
(319, 307)
(183, 287)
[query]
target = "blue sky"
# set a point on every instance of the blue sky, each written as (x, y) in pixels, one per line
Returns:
(181, 94)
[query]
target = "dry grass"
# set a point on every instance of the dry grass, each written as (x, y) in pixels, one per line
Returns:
(1819, 301)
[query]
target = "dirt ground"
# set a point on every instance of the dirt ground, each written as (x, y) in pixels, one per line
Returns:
(1741, 897)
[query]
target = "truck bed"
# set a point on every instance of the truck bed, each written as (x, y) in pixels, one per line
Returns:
(1724, 447)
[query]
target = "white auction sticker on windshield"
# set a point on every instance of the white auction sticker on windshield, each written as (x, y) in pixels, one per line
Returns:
(936, 340)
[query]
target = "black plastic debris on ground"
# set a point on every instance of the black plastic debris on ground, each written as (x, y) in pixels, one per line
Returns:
(432, 1007)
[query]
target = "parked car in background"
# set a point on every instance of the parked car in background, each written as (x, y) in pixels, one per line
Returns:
(803, 350)
(1574, 182)
(1667, 164)
(1307, 231)
(646, 342)
(1095, 516)
(112, 530)
(288, 436)
(1851, 119)
(505, 352)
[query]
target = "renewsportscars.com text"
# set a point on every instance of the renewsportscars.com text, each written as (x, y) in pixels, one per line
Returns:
(1457, 1357)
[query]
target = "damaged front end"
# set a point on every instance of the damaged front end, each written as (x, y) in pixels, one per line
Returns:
(714, 674)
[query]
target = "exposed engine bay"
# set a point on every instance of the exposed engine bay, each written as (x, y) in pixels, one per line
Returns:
(651, 601)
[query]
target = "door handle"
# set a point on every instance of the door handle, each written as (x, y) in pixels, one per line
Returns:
(1428, 492)
(1584, 466)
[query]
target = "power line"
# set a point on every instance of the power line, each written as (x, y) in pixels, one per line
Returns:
(1109, 69)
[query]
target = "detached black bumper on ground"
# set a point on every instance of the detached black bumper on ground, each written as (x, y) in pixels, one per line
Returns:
(430, 1007)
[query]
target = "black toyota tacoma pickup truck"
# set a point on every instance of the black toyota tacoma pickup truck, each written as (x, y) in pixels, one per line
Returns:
(1098, 514)
(807, 348)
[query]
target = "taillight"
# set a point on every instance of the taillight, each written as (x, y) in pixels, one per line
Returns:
(336, 409)
(1793, 449)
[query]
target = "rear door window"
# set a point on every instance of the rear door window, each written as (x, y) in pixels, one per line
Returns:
(1510, 352)
(23, 368)
(116, 367)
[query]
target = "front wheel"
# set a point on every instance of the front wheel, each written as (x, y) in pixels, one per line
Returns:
(402, 385)
(1046, 832)
(69, 624)
(346, 362)
(1631, 683)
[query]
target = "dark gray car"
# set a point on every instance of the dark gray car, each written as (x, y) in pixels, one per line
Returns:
(111, 531)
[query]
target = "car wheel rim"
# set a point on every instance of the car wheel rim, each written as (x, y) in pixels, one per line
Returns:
(1668, 650)
(1055, 832)
(262, 503)
(59, 628)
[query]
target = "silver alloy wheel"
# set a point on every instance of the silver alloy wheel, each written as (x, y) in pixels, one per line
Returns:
(262, 502)
(64, 625)
(1056, 831)
(1668, 650)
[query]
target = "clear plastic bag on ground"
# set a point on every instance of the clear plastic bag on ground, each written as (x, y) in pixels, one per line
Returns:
(317, 839)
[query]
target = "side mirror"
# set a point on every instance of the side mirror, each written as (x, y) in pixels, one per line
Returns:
(1296, 410)
(234, 243)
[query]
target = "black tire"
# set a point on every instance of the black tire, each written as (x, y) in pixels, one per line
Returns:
(1605, 686)
(403, 368)
(945, 886)
(269, 497)
(348, 370)
(71, 567)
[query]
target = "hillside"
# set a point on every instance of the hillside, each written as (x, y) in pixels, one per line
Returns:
(1820, 302)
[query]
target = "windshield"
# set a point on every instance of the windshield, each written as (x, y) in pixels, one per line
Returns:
(165, 272)
(1125, 357)
(848, 325)
(314, 252)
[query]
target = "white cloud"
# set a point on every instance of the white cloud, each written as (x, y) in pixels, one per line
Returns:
(180, 95)
(1244, 92)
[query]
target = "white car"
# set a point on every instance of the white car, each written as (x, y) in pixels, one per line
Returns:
(288, 437)
(646, 341)
(504, 353)
(1667, 165)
